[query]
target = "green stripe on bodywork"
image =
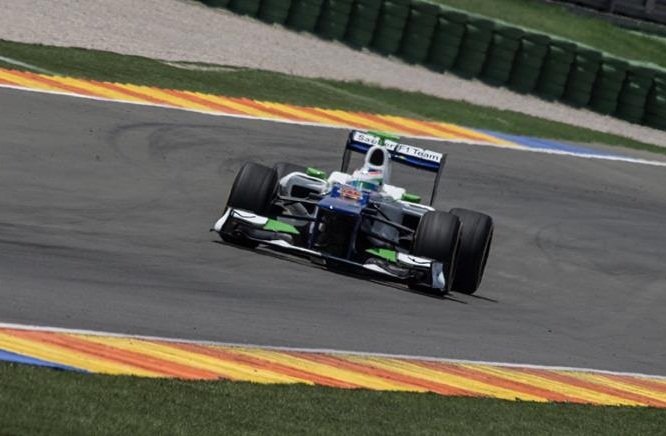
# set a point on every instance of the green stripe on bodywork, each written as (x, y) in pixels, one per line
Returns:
(383, 136)
(384, 253)
(315, 172)
(412, 198)
(279, 226)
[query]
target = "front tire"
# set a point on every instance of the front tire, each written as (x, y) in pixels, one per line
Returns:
(254, 190)
(477, 236)
(437, 237)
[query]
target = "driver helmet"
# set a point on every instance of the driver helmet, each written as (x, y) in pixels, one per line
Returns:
(369, 179)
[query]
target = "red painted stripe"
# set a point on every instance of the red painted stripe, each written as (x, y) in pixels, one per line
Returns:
(391, 376)
(607, 390)
(320, 113)
(201, 101)
(258, 362)
(140, 95)
(9, 82)
(112, 354)
(55, 83)
(470, 136)
(257, 106)
(393, 124)
(498, 381)
(637, 381)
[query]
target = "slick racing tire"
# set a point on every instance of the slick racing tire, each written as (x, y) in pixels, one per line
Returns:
(438, 237)
(253, 190)
(477, 236)
(284, 168)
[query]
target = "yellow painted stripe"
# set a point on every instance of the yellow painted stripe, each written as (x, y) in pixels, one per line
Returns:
(339, 117)
(96, 89)
(299, 113)
(65, 356)
(456, 381)
(417, 124)
(586, 395)
(167, 97)
(621, 385)
(355, 120)
(362, 380)
(226, 369)
(27, 82)
(239, 106)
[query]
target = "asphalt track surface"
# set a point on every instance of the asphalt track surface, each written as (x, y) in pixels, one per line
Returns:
(105, 210)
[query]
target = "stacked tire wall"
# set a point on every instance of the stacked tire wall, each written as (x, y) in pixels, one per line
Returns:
(447, 39)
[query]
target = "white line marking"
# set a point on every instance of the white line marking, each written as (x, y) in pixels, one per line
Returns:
(517, 147)
(24, 65)
(321, 350)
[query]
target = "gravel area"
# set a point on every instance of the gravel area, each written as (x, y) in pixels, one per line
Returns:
(185, 30)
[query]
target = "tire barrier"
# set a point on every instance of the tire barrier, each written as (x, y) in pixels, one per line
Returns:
(362, 22)
(582, 76)
(529, 62)
(556, 68)
(634, 93)
(216, 3)
(655, 109)
(304, 14)
(274, 11)
(334, 18)
(503, 49)
(447, 39)
(418, 32)
(474, 47)
(608, 85)
(390, 26)
(245, 7)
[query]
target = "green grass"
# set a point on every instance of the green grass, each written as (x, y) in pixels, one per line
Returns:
(36, 401)
(557, 20)
(284, 88)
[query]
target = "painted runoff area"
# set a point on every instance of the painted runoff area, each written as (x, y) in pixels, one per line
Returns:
(114, 354)
(285, 113)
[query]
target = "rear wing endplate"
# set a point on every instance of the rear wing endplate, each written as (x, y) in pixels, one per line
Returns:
(410, 155)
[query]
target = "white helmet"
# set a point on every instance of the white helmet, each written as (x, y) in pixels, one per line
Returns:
(375, 172)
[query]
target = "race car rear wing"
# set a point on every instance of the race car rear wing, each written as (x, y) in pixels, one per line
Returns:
(409, 155)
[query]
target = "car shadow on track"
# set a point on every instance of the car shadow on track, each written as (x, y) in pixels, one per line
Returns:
(276, 253)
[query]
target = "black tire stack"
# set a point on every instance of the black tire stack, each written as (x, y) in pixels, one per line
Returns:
(274, 11)
(655, 109)
(390, 26)
(334, 18)
(304, 14)
(363, 18)
(446, 40)
(418, 32)
(245, 7)
(501, 54)
(529, 62)
(474, 47)
(556, 68)
(608, 85)
(581, 79)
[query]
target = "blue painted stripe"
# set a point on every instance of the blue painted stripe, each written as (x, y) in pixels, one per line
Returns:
(546, 144)
(8, 356)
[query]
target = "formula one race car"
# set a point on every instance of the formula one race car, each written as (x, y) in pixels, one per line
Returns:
(360, 220)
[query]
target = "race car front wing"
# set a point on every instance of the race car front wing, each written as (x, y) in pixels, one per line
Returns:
(242, 224)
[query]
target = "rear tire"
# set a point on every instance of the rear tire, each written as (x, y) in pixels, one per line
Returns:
(477, 236)
(253, 190)
(438, 237)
